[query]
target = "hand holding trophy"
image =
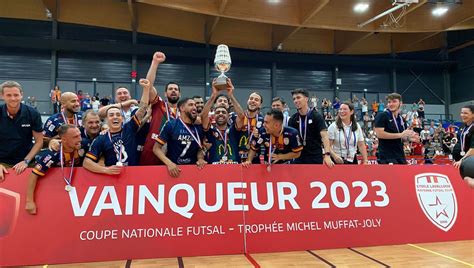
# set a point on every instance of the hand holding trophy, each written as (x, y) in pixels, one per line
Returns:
(222, 62)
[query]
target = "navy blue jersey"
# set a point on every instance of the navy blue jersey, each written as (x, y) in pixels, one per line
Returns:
(56, 120)
(249, 124)
(48, 158)
(120, 146)
(182, 148)
(218, 151)
(86, 140)
(288, 141)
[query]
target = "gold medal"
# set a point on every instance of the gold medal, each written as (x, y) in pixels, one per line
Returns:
(269, 168)
(68, 188)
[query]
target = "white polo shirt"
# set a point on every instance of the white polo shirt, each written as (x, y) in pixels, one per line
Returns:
(343, 137)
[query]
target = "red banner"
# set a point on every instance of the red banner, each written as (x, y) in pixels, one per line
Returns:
(415, 160)
(144, 213)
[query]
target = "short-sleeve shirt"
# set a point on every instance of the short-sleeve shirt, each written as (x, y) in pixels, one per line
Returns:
(219, 148)
(288, 141)
(390, 148)
(119, 146)
(182, 147)
(312, 152)
(249, 124)
(56, 120)
(16, 134)
(48, 159)
(345, 140)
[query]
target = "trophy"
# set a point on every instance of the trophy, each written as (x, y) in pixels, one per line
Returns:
(222, 63)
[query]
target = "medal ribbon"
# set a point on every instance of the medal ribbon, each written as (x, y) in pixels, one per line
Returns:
(304, 126)
(196, 137)
(66, 121)
(224, 138)
(115, 149)
(463, 136)
(61, 160)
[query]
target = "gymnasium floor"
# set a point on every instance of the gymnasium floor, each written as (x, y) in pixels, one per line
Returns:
(445, 254)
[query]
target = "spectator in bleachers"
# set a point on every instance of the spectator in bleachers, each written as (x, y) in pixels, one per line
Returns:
(86, 102)
(32, 102)
(365, 106)
(375, 107)
(95, 104)
(432, 127)
(416, 124)
(336, 104)
(105, 101)
(325, 104)
(19, 125)
(381, 107)
(425, 135)
(55, 95)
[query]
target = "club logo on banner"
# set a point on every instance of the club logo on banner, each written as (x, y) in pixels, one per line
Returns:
(9, 209)
(437, 199)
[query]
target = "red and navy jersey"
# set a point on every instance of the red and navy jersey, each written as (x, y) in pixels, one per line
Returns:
(47, 159)
(182, 147)
(119, 146)
(159, 117)
(288, 141)
(249, 124)
(218, 148)
(56, 120)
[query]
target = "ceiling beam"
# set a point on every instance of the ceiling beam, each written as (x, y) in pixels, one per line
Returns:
(210, 28)
(426, 36)
(360, 36)
(52, 6)
(133, 14)
(461, 46)
(303, 21)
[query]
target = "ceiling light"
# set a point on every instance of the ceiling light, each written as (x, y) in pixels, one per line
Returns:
(361, 7)
(273, 1)
(439, 11)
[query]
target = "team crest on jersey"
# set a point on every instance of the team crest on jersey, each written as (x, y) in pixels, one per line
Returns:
(81, 152)
(437, 199)
(259, 124)
(286, 141)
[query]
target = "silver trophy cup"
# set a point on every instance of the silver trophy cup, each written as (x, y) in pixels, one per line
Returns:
(222, 62)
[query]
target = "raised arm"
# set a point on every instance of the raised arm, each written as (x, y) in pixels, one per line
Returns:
(146, 85)
(208, 106)
(237, 108)
(158, 58)
(120, 106)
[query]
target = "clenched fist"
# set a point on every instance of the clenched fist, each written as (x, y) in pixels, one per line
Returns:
(144, 82)
(159, 57)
